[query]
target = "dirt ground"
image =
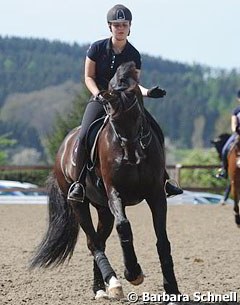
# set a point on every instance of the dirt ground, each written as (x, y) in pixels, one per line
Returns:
(205, 247)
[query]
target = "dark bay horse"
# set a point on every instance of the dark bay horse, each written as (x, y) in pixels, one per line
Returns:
(219, 142)
(129, 168)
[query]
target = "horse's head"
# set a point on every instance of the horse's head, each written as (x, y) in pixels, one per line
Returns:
(219, 142)
(124, 85)
(124, 97)
(125, 109)
(125, 78)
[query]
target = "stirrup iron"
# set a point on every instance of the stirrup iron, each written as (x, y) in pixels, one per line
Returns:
(172, 182)
(72, 187)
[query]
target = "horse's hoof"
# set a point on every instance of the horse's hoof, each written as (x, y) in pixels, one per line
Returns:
(237, 220)
(139, 280)
(115, 293)
(135, 277)
(101, 295)
(114, 289)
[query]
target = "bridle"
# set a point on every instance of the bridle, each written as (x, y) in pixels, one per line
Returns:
(140, 136)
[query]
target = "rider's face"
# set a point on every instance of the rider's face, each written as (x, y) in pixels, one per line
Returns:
(120, 30)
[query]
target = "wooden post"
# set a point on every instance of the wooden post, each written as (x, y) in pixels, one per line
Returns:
(178, 167)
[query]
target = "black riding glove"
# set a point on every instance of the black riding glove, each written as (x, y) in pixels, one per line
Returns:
(156, 92)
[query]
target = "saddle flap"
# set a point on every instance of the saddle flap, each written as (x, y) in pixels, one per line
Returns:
(92, 136)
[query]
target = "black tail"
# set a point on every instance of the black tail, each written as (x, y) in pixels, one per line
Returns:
(61, 237)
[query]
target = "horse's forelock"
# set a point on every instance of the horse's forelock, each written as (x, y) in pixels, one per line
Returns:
(126, 76)
(127, 69)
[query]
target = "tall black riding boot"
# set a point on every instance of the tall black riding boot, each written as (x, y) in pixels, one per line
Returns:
(223, 171)
(77, 189)
(171, 190)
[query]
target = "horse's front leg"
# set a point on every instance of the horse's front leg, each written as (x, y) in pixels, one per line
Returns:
(158, 205)
(133, 272)
(96, 247)
(104, 229)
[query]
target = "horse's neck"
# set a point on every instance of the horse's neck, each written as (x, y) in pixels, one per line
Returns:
(146, 125)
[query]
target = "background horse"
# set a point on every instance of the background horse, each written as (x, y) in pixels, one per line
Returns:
(129, 168)
(219, 142)
(234, 175)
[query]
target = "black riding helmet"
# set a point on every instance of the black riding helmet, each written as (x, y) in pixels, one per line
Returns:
(119, 13)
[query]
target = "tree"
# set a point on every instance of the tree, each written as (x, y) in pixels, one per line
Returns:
(27, 156)
(4, 143)
(201, 177)
(64, 124)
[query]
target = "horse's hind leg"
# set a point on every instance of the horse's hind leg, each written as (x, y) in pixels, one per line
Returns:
(104, 229)
(158, 208)
(96, 248)
(236, 210)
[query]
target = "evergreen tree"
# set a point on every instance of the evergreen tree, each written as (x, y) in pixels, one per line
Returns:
(201, 177)
(65, 124)
(193, 111)
(5, 142)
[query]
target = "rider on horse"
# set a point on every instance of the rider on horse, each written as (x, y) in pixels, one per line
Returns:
(235, 126)
(102, 60)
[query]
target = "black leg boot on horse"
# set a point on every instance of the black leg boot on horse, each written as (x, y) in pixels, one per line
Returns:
(77, 189)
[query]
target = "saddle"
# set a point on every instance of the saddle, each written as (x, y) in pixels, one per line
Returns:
(92, 137)
(91, 140)
(233, 145)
